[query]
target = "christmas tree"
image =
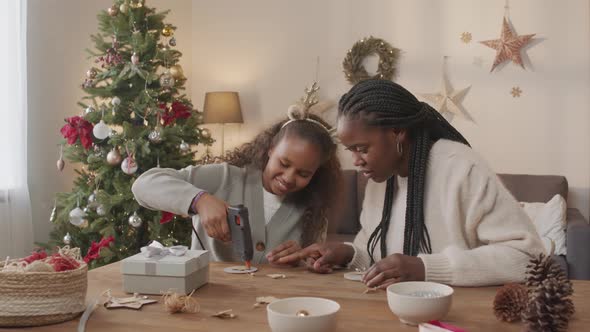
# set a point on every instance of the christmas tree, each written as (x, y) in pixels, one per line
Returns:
(133, 118)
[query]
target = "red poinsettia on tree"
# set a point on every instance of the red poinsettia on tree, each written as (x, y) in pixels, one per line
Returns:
(178, 110)
(78, 127)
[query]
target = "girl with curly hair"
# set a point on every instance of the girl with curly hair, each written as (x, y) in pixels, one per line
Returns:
(286, 177)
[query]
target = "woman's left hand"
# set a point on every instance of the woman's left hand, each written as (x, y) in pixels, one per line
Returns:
(394, 268)
(283, 250)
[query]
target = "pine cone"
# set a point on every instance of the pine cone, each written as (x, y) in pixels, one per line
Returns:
(510, 302)
(549, 308)
(541, 268)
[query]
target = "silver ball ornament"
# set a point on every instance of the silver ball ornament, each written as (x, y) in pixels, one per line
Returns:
(155, 136)
(100, 210)
(89, 110)
(135, 221)
(77, 216)
(129, 166)
(172, 42)
(67, 238)
(135, 58)
(60, 164)
(116, 101)
(184, 146)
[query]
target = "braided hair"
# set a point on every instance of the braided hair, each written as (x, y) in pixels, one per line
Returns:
(385, 104)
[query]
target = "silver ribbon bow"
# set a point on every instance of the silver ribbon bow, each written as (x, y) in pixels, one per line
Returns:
(157, 249)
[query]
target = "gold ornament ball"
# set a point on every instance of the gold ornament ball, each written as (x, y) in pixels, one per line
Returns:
(136, 4)
(91, 73)
(166, 80)
(167, 31)
(124, 8)
(114, 157)
(113, 11)
(205, 133)
(176, 72)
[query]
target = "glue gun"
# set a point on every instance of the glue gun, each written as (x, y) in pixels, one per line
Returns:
(241, 237)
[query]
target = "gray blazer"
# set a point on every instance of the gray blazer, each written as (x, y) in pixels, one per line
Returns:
(171, 190)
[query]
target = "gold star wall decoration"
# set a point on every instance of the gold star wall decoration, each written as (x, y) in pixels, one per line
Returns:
(466, 37)
(509, 46)
(516, 92)
(448, 101)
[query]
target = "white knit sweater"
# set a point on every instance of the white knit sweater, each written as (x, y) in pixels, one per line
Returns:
(479, 233)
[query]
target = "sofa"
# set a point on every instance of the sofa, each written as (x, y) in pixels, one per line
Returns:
(344, 218)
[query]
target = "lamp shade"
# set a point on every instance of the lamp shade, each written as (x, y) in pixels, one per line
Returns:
(222, 107)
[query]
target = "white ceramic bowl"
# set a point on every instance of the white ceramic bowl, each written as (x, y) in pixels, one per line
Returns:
(321, 314)
(417, 302)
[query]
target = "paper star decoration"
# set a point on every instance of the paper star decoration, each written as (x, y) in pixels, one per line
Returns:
(448, 102)
(509, 46)
(516, 91)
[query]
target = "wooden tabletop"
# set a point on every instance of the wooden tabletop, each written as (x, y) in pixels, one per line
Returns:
(471, 309)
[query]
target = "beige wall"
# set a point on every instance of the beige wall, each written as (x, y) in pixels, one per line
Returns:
(58, 33)
(267, 49)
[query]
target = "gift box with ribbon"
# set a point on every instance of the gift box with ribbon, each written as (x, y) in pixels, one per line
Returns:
(158, 269)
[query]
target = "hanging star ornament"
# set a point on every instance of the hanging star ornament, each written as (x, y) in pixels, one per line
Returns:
(448, 102)
(509, 46)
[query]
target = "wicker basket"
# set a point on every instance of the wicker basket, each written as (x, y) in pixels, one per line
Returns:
(41, 298)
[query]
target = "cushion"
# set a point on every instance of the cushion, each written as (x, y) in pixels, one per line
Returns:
(550, 221)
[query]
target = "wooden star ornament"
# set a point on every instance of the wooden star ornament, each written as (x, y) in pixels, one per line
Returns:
(448, 101)
(509, 46)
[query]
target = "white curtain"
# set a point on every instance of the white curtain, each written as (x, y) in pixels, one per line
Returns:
(16, 229)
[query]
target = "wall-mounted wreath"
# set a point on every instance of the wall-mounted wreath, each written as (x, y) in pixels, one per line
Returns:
(353, 62)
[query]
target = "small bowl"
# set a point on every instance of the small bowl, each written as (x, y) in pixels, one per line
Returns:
(296, 314)
(416, 302)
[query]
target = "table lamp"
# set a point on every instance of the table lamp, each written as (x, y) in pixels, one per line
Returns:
(222, 107)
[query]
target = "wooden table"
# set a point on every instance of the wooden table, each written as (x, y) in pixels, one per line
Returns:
(471, 310)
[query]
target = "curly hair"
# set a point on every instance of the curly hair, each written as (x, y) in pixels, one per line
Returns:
(318, 196)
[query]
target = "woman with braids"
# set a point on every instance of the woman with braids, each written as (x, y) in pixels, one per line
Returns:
(433, 209)
(286, 178)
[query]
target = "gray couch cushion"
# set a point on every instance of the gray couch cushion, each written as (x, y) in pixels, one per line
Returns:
(535, 188)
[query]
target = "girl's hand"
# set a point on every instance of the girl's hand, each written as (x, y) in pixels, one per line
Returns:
(321, 258)
(213, 214)
(285, 249)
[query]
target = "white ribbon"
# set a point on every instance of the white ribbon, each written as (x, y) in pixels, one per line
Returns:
(157, 249)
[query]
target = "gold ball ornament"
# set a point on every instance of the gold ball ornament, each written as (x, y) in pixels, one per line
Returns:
(167, 31)
(114, 157)
(176, 71)
(206, 133)
(113, 10)
(91, 73)
(136, 4)
(124, 8)
(167, 80)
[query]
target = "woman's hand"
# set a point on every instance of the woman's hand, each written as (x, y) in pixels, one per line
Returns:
(283, 250)
(394, 268)
(213, 215)
(322, 258)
